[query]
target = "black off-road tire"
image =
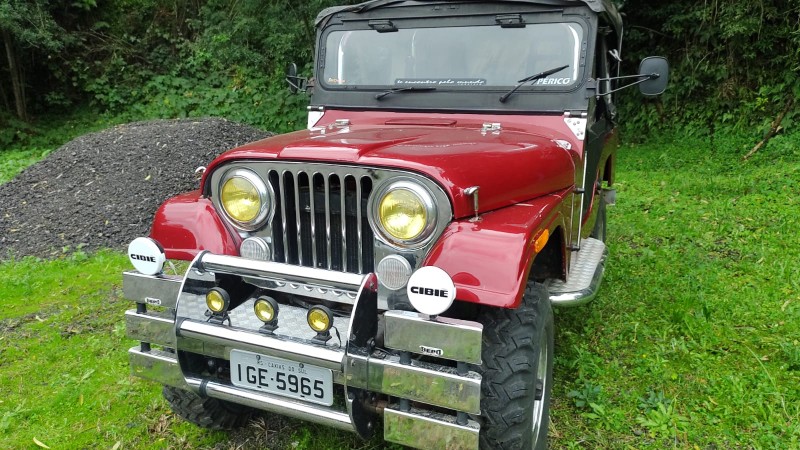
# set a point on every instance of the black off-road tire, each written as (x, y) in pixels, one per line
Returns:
(514, 369)
(208, 413)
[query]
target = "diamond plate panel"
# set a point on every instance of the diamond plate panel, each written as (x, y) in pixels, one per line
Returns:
(291, 319)
(583, 270)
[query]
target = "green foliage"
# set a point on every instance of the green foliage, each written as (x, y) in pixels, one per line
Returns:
(585, 395)
(30, 25)
(734, 64)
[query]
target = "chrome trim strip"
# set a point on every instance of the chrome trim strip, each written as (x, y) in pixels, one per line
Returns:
(279, 405)
(343, 219)
(427, 383)
(583, 296)
(280, 272)
(156, 365)
(299, 229)
(458, 340)
(327, 183)
(152, 327)
(158, 290)
(313, 214)
(429, 430)
(359, 219)
(268, 345)
(282, 187)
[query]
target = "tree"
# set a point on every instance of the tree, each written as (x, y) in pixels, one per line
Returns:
(26, 27)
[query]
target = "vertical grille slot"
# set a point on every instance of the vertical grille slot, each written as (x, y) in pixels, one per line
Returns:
(321, 220)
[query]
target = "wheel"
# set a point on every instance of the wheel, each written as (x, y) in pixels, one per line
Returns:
(599, 230)
(208, 413)
(517, 373)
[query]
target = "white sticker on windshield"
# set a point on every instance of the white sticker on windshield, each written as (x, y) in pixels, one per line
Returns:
(440, 82)
(553, 82)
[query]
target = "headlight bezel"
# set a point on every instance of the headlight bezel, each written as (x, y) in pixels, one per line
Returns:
(265, 192)
(426, 198)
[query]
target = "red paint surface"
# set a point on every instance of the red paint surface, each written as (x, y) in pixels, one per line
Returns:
(489, 260)
(187, 224)
(524, 179)
(519, 163)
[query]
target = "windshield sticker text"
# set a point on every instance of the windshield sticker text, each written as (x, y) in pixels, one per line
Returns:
(441, 81)
(553, 82)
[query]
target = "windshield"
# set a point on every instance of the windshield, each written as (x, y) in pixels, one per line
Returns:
(457, 57)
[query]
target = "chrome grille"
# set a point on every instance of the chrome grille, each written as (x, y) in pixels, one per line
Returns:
(321, 220)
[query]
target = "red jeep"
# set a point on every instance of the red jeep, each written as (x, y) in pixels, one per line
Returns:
(394, 265)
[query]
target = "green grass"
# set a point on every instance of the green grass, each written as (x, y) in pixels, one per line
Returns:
(693, 341)
(64, 377)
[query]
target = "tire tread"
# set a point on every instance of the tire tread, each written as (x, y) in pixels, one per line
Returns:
(209, 413)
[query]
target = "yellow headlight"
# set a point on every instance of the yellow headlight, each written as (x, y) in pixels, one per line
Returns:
(217, 300)
(241, 200)
(320, 319)
(402, 214)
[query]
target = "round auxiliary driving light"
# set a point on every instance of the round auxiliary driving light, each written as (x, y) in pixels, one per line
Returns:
(266, 309)
(394, 272)
(218, 300)
(255, 248)
(431, 291)
(320, 319)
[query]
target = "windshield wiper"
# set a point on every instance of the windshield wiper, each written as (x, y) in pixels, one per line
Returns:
(404, 89)
(538, 76)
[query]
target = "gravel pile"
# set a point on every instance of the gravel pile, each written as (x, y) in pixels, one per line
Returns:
(102, 189)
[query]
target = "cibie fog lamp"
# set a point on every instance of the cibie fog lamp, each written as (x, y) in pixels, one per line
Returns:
(320, 319)
(266, 310)
(431, 291)
(147, 256)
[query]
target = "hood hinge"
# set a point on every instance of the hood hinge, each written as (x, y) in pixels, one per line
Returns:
(576, 121)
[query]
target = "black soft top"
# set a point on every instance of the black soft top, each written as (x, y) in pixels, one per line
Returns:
(604, 7)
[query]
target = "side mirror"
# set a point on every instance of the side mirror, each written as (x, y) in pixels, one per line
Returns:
(296, 83)
(654, 71)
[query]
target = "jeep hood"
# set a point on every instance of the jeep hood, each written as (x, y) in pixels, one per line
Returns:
(508, 166)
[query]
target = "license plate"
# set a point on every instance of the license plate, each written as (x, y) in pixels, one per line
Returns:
(282, 377)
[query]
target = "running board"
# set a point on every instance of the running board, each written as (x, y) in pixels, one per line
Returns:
(584, 277)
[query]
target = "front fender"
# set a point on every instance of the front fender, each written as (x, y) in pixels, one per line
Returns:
(489, 259)
(187, 224)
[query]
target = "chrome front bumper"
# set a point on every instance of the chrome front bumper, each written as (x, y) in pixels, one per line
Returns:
(425, 403)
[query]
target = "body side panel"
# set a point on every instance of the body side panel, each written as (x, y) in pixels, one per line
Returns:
(187, 224)
(489, 259)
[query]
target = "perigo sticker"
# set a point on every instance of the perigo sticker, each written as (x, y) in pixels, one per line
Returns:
(431, 290)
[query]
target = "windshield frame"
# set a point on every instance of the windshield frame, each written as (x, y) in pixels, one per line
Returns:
(476, 82)
(540, 97)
